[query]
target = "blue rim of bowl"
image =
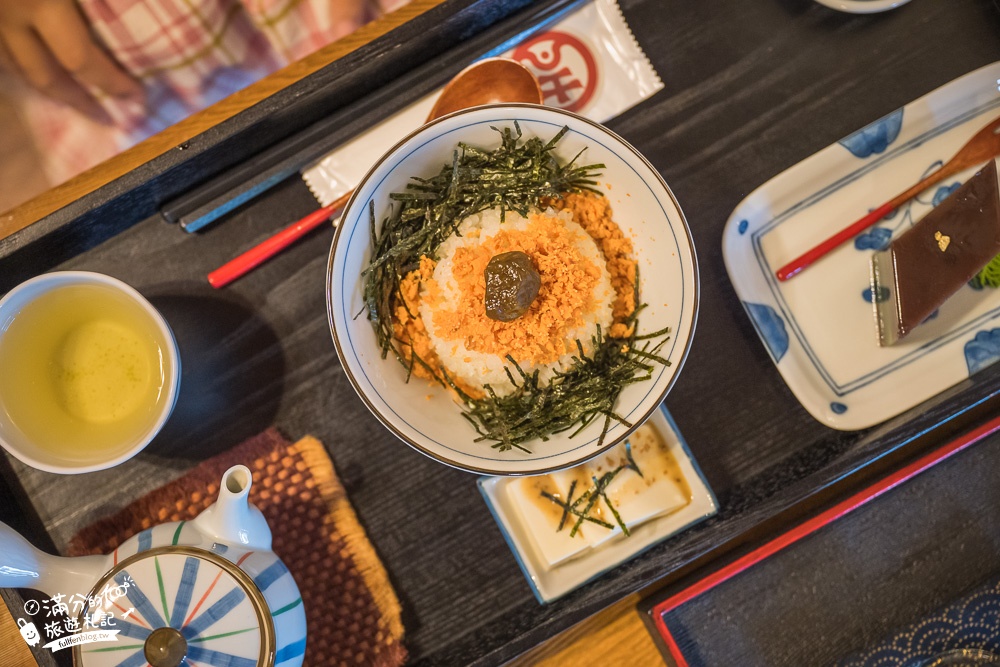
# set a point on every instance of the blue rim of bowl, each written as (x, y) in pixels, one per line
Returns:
(696, 296)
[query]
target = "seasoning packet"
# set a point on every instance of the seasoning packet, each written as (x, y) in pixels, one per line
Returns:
(588, 62)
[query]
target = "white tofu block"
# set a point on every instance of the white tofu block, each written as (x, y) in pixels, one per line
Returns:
(660, 490)
(541, 517)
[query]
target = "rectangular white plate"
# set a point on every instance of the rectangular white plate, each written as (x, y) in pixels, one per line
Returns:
(549, 583)
(819, 327)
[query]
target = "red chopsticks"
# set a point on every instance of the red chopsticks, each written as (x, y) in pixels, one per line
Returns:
(982, 147)
(271, 246)
(807, 258)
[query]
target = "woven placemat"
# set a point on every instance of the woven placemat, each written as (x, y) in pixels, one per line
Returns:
(352, 612)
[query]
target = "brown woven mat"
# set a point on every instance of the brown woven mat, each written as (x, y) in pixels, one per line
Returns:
(352, 611)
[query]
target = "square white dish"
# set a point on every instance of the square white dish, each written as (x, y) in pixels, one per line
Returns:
(551, 582)
(819, 327)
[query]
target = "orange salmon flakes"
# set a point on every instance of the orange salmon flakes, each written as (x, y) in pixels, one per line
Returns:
(409, 328)
(568, 279)
(593, 213)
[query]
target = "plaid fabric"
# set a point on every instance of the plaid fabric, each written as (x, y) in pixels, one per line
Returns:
(188, 54)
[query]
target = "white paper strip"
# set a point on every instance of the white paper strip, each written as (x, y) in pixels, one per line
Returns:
(589, 62)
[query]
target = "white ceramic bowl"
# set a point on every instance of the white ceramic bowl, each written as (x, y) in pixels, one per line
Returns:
(424, 416)
(17, 443)
(863, 6)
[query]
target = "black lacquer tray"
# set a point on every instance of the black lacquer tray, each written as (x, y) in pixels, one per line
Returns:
(896, 573)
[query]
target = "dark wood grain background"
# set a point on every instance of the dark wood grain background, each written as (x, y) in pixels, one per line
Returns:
(751, 88)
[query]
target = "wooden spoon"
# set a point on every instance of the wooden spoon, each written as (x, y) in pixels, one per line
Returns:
(982, 147)
(488, 81)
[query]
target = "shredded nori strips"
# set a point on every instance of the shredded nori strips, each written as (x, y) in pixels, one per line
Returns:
(517, 176)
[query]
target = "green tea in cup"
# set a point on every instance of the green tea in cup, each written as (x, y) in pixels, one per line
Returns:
(88, 372)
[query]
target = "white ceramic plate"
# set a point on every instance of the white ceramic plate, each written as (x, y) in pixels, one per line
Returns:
(549, 583)
(423, 415)
(863, 6)
(819, 327)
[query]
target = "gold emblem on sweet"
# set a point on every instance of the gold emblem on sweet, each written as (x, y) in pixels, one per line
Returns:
(943, 240)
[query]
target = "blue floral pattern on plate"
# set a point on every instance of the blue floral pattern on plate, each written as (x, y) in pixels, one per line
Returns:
(771, 328)
(876, 238)
(875, 137)
(943, 191)
(983, 350)
(883, 294)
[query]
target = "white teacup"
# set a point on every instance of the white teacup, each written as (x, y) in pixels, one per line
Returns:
(89, 372)
(863, 6)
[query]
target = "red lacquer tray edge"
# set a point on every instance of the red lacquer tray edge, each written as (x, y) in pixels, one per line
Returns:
(807, 528)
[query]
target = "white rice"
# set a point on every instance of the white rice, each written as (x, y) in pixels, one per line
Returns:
(488, 368)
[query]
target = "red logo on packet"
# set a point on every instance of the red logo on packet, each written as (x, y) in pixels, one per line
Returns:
(565, 68)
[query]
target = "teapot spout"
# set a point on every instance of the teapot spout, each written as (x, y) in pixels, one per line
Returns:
(24, 566)
(232, 519)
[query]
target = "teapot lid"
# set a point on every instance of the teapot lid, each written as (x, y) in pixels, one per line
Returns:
(173, 606)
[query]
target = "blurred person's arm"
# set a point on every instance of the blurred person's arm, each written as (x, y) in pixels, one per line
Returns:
(49, 43)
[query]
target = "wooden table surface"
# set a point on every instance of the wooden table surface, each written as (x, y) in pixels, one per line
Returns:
(751, 89)
(13, 649)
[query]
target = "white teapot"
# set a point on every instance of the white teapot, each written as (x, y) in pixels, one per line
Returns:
(208, 592)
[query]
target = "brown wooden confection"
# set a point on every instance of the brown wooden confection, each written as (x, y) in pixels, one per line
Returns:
(925, 266)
